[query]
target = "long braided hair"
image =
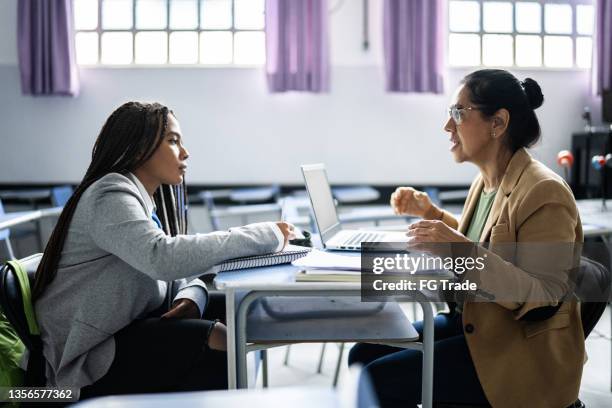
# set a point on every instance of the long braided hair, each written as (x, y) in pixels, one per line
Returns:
(130, 136)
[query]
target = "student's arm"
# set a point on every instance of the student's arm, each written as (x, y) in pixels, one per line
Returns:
(194, 290)
(120, 226)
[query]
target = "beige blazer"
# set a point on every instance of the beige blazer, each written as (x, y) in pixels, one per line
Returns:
(520, 363)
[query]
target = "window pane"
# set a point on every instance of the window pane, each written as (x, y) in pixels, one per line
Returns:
(151, 47)
(184, 48)
(85, 14)
(464, 16)
(497, 50)
(585, 19)
(558, 18)
(584, 52)
(528, 17)
(183, 14)
(116, 48)
(558, 52)
(464, 49)
(117, 14)
(497, 17)
(249, 48)
(216, 47)
(528, 50)
(216, 14)
(86, 45)
(151, 14)
(249, 14)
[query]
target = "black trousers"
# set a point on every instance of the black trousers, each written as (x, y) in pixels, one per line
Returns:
(162, 355)
(397, 373)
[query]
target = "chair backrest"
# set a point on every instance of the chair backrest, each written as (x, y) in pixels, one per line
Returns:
(237, 215)
(60, 195)
(593, 288)
(11, 299)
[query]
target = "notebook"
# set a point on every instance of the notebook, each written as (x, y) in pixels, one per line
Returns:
(287, 255)
(327, 275)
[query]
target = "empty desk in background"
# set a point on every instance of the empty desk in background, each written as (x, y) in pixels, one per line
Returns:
(596, 220)
(8, 220)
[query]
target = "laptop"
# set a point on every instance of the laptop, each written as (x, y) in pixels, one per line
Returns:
(333, 236)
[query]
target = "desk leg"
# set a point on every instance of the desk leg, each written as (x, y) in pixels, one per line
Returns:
(428, 354)
(230, 300)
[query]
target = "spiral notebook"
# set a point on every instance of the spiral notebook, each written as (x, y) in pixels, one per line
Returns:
(288, 255)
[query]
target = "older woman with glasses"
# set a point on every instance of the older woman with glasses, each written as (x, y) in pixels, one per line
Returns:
(512, 353)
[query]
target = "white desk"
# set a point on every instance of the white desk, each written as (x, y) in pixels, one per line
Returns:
(596, 221)
(11, 219)
(294, 397)
(244, 287)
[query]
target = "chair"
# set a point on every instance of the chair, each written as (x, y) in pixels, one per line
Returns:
(60, 195)
(11, 301)
(243, 211)
(592, 282)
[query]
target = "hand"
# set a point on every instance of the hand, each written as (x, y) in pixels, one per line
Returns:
(408, 201)
(423, 233)
(287, 229)
(183, 309)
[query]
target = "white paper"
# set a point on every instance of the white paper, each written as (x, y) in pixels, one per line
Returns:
(326, 260)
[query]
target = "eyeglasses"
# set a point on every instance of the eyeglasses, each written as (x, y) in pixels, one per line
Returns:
(455, 112)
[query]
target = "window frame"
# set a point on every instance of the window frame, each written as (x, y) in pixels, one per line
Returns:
(514, 33)
(198, 30)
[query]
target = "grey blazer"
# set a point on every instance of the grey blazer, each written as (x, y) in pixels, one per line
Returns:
(114, 269)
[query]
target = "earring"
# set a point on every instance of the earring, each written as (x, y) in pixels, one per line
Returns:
(493, 134)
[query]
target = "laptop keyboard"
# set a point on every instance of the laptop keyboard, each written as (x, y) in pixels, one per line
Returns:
(358, 238)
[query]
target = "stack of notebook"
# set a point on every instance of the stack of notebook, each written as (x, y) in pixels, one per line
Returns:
(319, 266)
(287, 255)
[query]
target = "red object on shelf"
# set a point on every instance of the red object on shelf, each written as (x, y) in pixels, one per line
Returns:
(565, 158)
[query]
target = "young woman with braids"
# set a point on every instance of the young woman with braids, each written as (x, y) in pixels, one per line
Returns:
(110, 320)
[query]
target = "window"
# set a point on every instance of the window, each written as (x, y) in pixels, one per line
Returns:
(521, 33)
(210, 32)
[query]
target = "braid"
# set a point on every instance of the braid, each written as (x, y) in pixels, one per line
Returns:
(129, 137)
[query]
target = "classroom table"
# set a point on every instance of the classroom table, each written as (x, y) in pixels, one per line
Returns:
(8, 220)
(244, 287)
(294, 397)
(596, 219)
(33, 197)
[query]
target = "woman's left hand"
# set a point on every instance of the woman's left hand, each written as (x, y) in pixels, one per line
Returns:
(426, 232)
(183, 309)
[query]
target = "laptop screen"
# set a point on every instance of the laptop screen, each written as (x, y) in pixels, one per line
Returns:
(321, 198)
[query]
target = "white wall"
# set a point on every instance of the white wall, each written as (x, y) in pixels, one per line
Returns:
(239, 133)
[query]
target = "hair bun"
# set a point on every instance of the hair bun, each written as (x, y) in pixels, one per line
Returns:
(533, 92)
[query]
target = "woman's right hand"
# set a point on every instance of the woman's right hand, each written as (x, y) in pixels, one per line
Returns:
(287, 229)
(408, 201)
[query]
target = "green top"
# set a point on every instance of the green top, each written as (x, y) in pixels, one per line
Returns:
(481, 213)
(479, 219)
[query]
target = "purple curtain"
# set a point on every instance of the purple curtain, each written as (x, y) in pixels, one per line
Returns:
(297, 48)
(46, 48)
(414, 45)
(603, 46)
